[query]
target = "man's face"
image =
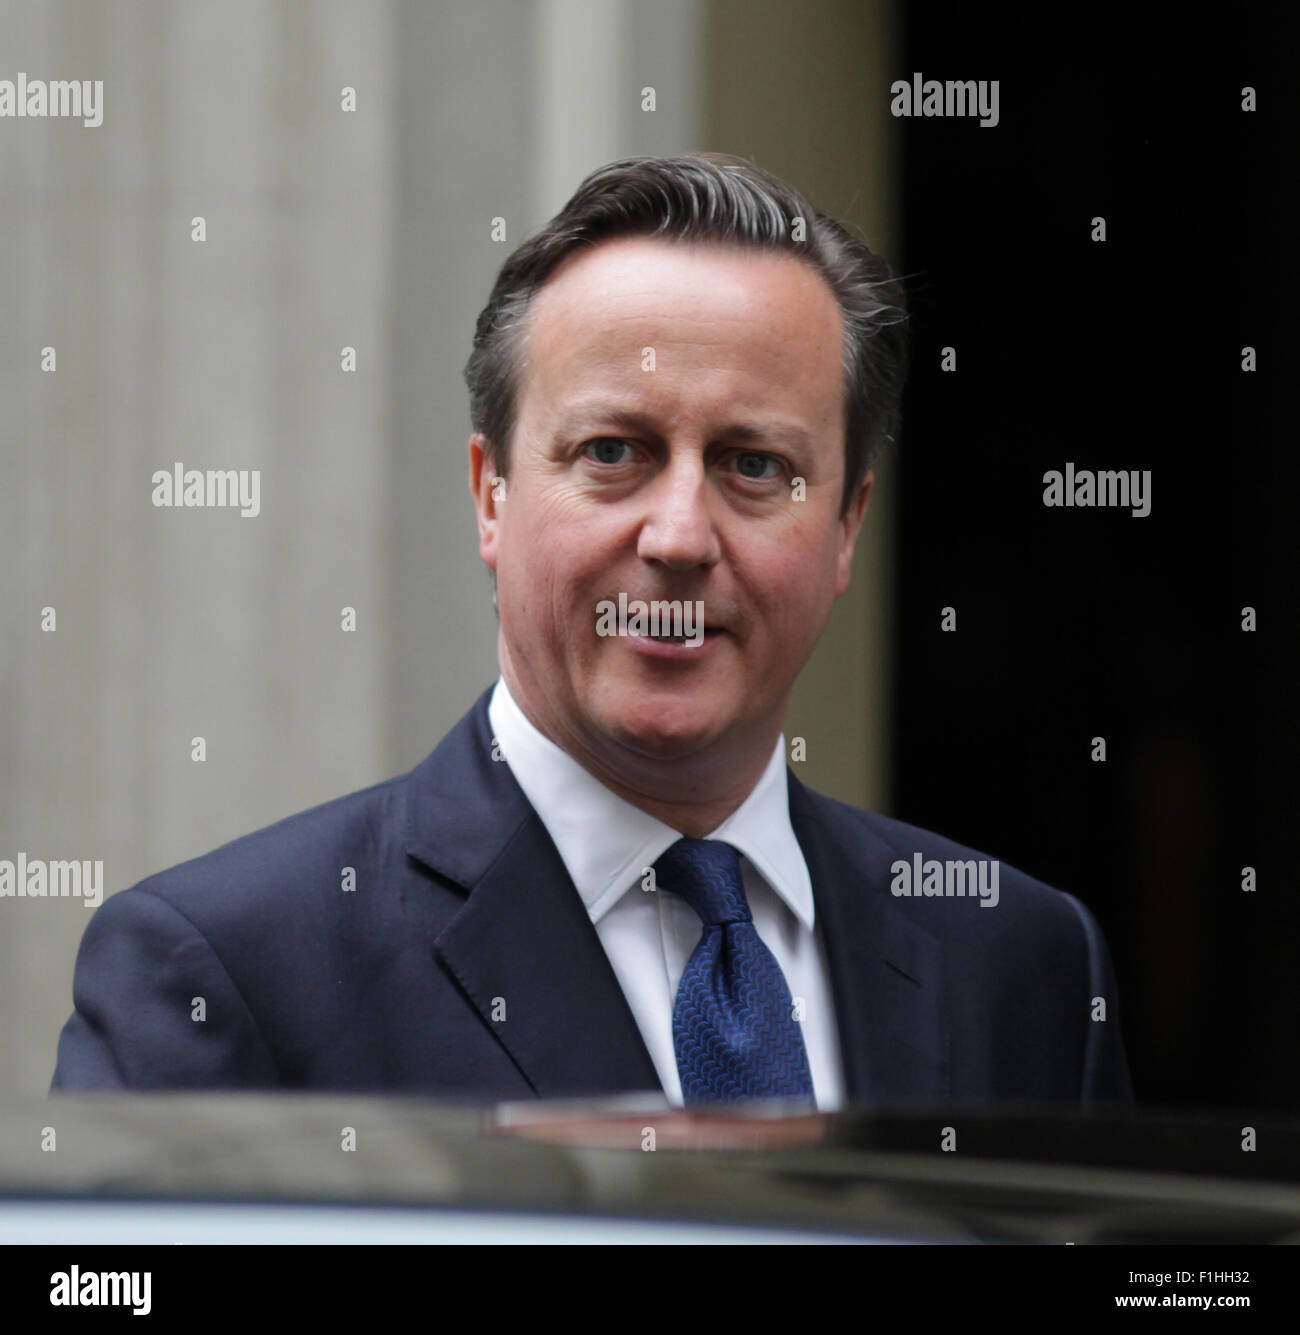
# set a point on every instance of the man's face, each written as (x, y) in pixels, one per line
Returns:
(670, 483)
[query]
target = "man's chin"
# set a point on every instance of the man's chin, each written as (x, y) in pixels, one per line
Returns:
(659, 730)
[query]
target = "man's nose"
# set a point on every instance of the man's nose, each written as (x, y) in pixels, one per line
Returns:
(678, 530)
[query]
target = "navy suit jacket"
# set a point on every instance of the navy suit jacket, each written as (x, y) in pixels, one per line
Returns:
(461, 899)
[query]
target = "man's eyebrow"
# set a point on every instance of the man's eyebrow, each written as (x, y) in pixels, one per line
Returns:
(588, 416)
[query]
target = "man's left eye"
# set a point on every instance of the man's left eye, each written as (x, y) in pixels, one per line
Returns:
(755, 467)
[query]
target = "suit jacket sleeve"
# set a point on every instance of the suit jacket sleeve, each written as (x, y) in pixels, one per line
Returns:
(141, 968)
(1106, 1076)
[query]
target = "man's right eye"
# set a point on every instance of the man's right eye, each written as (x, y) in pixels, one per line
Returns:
(605, 449)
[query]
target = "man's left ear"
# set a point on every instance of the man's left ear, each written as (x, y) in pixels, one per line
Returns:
(850, 524)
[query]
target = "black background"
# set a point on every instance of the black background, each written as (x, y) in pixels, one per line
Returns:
(1075, 623)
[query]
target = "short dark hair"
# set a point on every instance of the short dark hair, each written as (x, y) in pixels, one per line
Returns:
(703, 197)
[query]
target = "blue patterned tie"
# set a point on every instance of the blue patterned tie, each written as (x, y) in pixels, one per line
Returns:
(734, 1030)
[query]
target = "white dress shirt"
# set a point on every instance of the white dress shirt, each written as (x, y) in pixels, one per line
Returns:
(606, 843)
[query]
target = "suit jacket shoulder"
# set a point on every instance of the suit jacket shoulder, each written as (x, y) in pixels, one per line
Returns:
(1003, 996)
(421, 935)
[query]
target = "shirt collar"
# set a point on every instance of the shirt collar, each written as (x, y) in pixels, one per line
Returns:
(606, 843)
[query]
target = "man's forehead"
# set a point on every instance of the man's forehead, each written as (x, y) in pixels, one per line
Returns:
(635, 270)
(644, 320)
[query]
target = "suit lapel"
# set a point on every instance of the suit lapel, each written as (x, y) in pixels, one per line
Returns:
(886, 973)
(522, 947)
(525, 953)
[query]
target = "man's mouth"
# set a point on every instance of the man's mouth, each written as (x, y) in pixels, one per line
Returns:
(686, 639)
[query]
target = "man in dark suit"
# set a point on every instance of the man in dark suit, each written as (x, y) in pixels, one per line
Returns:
(606, 878)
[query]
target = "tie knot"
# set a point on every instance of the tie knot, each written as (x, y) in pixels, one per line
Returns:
(706, 873)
